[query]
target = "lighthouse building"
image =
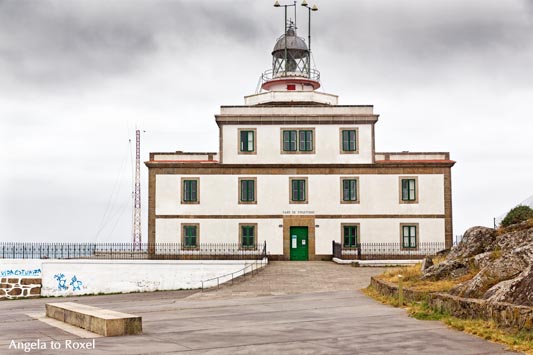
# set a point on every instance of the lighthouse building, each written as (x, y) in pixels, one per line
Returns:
(298, 170)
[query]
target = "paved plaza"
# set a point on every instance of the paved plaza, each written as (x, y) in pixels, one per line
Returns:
(288, 308)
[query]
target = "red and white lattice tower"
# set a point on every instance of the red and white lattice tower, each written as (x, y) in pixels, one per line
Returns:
(137, 194)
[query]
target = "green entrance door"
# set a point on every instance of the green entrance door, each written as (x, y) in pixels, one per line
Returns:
(299, 243)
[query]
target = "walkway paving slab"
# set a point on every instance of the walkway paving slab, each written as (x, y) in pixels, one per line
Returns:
(278, 315)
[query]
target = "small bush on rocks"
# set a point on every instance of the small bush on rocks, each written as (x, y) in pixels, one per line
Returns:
(517, 215)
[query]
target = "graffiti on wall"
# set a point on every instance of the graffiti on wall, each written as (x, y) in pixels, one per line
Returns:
(75, 284)
(20, 273)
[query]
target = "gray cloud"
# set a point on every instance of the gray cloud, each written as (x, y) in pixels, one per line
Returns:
(76, 76)
(60, 42)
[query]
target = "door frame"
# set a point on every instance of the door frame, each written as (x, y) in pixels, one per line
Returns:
(298, 221)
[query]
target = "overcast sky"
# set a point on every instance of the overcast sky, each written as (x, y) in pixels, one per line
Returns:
(77, 77)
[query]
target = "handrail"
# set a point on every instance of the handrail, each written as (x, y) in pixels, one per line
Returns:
(243, 270)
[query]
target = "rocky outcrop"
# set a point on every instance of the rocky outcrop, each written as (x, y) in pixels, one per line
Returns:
(502, 265)
(426, 263)
(476, 240)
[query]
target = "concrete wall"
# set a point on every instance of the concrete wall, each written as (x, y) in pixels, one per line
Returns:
(79, 277)
(268, 145)
(378, 194)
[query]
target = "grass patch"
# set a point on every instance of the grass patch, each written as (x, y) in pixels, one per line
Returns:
(515, 339)
(412, 278)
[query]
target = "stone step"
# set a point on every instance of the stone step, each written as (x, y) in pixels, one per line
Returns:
(97, 320)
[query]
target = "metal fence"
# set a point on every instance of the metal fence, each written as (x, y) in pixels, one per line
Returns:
(386, 251)
(128, 251)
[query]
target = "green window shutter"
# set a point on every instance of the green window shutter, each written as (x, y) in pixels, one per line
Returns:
(412, 235)
(409, 237)
(251, 190)
(247, 190)
(190, 190)
(244, 141)
(289, 141)
(350, 236)
(191, 236)
(349, 190)
(408, 189)
(194, 190)
(247, 143)
(345, 140)
(298, 190)
(306, 140)
(349, 143)
(248, 236)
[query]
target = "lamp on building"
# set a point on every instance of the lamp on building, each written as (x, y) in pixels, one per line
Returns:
(309, 8)
(277, 4)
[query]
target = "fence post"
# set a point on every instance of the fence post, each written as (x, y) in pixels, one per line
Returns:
(400, 290)
(358, 251)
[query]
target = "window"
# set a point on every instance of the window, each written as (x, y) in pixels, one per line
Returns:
(247, 190)
(350, 190)
(350, 235)
(306, 141)
(190, 187)
(247, 141)
(348, 140)
(289, 141)
(408, 187)
(189, 236)
(297, 141)
(248, 236)
(409, 236)
(298, 190)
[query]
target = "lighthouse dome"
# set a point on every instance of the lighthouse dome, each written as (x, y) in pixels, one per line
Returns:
(295, 44)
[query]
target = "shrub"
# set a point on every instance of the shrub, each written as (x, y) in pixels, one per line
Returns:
(517, 215)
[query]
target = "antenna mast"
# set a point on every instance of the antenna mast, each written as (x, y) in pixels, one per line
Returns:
(137, 194)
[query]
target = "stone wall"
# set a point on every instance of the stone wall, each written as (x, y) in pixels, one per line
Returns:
(503, 314)
(16, 287)
(391, 290)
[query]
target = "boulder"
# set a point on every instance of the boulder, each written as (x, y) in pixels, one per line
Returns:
(447, 269)
(459, 261)
(503, 265)
(426, 263)
(476, 240)
(504, 268)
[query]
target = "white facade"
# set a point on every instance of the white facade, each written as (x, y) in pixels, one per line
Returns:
(379, 194)
(293, 166)
(378, 211)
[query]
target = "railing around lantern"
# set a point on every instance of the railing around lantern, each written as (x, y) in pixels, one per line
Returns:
(129, 251)
(313, 74)
(385, 251)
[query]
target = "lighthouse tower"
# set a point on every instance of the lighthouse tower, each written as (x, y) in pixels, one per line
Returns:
(292, 79)
(291, 65)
